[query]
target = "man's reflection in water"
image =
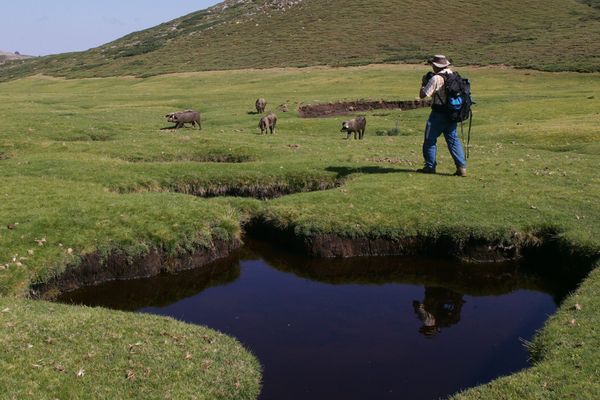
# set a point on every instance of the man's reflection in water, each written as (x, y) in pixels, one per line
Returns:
(440, 308)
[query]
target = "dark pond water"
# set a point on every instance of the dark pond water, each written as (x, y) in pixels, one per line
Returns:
(362, 328)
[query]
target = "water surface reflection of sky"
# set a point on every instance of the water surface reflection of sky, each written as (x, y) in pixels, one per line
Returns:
(321, 340)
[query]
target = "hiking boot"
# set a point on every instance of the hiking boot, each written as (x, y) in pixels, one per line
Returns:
(426, 170)
(460, 171)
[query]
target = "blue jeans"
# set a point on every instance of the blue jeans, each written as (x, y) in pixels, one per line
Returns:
(437, 124)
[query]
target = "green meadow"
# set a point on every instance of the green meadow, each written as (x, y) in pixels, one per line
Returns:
(86, 169)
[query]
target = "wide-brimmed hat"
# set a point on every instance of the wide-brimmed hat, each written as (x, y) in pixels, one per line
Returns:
(439, 61)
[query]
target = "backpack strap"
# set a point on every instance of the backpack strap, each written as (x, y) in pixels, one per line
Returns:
(445, 78)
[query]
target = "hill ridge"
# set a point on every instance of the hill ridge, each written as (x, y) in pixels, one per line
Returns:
(238, 34)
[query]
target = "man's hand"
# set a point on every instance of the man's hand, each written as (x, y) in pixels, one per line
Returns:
(426, 78)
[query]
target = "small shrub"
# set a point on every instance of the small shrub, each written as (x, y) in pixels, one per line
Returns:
(388, 132)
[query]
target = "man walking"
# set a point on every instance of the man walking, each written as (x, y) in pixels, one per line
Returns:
(433, 85)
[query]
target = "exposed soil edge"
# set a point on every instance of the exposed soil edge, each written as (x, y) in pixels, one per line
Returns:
(343, 108)
(95, 269)
(207, 158)
(545, 249)
(260, 192)
(332, 245)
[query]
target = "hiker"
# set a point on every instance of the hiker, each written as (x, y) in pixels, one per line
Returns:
(440, 308)
(433, 85)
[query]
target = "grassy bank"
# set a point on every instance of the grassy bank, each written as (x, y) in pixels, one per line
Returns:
(52, 351)
(86, 170)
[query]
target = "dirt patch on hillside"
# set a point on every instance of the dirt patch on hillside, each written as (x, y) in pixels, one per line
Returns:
(346, 107)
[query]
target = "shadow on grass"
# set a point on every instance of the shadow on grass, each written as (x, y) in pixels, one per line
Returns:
(174, 127)
(343, 172)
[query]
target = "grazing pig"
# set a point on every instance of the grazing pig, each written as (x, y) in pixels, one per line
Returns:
(356, 125)
(180, 118)
(267, 123)
(260, 105)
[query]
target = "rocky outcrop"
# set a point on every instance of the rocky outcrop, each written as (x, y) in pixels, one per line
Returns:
(7, 56)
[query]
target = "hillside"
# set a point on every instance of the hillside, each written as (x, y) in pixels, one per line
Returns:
(553, 35)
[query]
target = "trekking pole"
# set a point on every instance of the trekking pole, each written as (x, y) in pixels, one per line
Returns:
(469, 134)
(462, 136)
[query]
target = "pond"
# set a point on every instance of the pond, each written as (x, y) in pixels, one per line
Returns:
(360, 328)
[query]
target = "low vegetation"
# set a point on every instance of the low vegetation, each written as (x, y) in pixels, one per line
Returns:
(281, 33)
(86, 170)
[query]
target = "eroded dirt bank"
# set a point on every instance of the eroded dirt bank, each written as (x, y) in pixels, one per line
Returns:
(95, 269)
(343, 108)
(258, 191)
(332, 245)
(545, 250)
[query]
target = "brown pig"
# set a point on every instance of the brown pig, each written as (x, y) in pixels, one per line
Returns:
(260, 105)
(267, 123)
(355, 125)
(180, 118)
